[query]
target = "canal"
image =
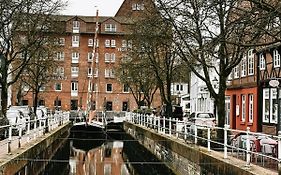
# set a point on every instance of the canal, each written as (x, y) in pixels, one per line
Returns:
(90, 151)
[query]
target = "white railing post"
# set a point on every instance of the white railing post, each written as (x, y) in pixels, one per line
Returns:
(35, 128)
(209, 138)
(279, 151)
(195, 133)
(170, 126)
(28, 130)
(10, 139)
(185, 131)
(248, 156)
(159, 127)
(225, 140)
(176, 128)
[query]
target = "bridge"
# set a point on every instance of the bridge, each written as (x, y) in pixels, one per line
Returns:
(182, 149)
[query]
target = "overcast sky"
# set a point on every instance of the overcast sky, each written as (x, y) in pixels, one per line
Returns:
(87, 7)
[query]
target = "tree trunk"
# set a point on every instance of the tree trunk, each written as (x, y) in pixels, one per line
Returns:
(220, 104)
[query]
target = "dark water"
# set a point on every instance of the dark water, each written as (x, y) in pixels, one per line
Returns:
(93, 152)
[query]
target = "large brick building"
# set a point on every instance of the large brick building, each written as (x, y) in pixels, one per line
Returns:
(76, 64)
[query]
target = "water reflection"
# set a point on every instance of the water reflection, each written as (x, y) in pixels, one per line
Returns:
(105, 159)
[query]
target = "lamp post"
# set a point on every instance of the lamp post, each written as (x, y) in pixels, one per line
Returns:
(215, 82)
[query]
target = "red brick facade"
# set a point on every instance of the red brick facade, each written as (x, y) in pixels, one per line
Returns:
(112, 31)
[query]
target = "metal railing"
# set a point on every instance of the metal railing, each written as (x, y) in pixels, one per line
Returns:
(29, 130)
(257, 148)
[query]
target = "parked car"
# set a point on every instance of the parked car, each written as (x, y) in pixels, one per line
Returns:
(203, 119)
(16, 119)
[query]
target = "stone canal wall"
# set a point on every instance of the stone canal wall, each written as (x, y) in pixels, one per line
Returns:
(187, 158)
(33, 157)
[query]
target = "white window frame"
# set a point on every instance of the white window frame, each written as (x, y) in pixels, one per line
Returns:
(90, 42)
(75, 26)
(265, 114)
(96, 72)
(262, 61)
(243, 107)
(90, 72)
(96, 42)
(109, 73)
(75, 41)
(107, 43)
(75, 57)
(124, 43)
(273, 114)
(74, 71)
(112, 57)
(113, 43)
(251, 63)
(107, 86)
(276, 58)
(126, 88)
(97, 57)
(90, 57)
(60, 85)
(110, 27)
(236, 72)
(243, 67)
(60, 56)
(251, 108)
(107, 57)
(74, 88)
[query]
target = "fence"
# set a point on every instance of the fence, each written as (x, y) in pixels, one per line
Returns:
(257, 148)
(31, 129)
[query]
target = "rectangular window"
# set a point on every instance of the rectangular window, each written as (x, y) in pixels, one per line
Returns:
(90, 58)
(59, 71)
(227, 110)
(112, 58)
(276, 58)
(110, 28)
(108, 87)
(96, 72)
(76, 26)
(250, 62)
(58, 87)
(262, 62)
(126, 88)
(61, 41)
(60, 56)
(90, 72)
(74, 88)
(274, 106)
(75, 57)
(96, 43)
(90, 42)
(75, 41)
(236, 72)
(107, 57)
(97, 57)
(107, 43)
(113, 43)
(266, 105)
(109, 73)
(243, 67)
(124, 43)
(74, 71)
(251, 108)
(243, 112)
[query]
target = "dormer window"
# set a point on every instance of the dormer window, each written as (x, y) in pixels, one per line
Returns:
(76, 26)
(137, 6)
(110, 28)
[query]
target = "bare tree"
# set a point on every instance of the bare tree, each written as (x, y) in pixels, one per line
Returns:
(23, 25)
(39, 71)
(138, 76)
(208, 32)
(152, 41)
